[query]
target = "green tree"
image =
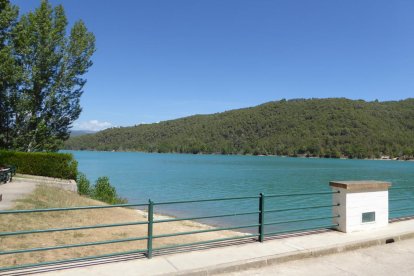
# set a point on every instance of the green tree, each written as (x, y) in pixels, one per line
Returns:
(52, 64)
(9, 71)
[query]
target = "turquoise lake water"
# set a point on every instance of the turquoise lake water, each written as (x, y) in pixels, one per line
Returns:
(166, 177)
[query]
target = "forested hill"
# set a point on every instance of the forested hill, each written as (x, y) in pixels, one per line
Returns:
(313, 127)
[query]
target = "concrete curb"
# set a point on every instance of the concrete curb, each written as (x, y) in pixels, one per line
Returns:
(298, 255)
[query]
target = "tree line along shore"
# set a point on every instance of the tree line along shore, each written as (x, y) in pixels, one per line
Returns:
(333, 128)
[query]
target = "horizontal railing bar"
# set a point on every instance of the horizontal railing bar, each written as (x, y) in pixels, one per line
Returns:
(206, 217)
(25, 232)
(70, 246)
(402, 209)
(299, 220)
(302, 194)
(301, 229)
(23, 266)
(70, 208)
(206, 200)
(401, 188)
(401, 198)
(301, 208)
(206, 242)
(203, 231)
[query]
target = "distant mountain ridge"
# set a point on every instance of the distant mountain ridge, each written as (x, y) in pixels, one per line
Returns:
(335, 127)
(75, 133)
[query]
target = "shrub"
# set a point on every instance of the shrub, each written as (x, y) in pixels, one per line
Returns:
(59, 165)
(84, 186)
(104, 191)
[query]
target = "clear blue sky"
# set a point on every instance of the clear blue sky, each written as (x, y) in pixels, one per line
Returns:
(159, 60)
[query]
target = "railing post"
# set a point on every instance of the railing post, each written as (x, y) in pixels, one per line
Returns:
(261, 216)
(150, 229)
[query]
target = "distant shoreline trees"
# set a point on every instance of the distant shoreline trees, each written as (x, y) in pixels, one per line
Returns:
(331, 128)
(41, 69)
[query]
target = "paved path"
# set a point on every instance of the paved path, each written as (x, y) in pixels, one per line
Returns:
(390, 259)
(16, 189)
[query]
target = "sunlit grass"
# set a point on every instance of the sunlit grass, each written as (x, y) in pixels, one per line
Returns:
(50, 197)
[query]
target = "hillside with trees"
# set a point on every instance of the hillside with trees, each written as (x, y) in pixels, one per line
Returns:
(334, 127)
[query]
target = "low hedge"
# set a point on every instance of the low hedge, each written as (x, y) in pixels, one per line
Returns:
(59, 165)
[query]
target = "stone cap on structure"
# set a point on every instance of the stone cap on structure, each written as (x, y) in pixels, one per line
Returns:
(361, 185)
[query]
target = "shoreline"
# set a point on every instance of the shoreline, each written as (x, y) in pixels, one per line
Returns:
(189, 223)
(239, 154)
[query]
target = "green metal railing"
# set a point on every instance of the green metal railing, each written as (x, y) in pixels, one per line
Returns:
(259, 235)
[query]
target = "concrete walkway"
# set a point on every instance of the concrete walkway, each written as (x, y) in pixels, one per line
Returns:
(389, 259)
(16, 189)
(253, 255)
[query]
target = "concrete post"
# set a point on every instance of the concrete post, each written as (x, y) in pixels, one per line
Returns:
(363, 205)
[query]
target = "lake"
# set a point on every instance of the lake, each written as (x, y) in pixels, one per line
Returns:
(165, 177)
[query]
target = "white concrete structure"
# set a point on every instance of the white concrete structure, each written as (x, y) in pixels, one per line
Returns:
(363, 205)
